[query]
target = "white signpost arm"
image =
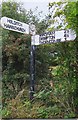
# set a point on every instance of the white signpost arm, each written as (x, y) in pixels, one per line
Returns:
(14, 25)
(54, 37)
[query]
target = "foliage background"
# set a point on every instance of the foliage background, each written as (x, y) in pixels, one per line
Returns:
(56, 66)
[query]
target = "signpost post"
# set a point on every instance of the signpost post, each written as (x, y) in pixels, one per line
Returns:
(32, 60)
(32, 70)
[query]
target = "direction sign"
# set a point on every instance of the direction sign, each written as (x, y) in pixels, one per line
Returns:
(53, 37)
(14, 25)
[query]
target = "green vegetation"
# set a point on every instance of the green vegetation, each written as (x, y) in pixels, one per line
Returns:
(56, 67)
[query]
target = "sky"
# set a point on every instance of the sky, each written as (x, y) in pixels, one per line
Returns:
(32, 4)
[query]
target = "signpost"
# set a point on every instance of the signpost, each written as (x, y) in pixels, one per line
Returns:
(14, 25)
(45, 38)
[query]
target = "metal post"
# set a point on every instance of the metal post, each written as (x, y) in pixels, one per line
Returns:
(32, 61)
(32, 71)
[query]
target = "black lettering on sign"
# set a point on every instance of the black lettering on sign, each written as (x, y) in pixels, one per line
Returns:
(14, 28)
(66, 34)
(14, 22)
(48, 37)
